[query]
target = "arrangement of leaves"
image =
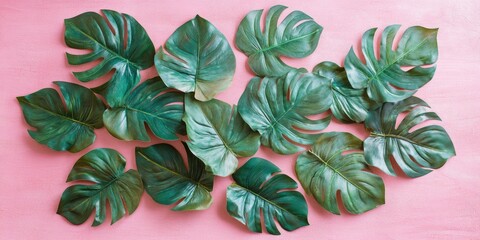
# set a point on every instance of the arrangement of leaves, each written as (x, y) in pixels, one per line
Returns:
(279, 109)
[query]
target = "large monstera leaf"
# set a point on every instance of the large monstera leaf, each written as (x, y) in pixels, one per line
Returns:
(104, 168)
(119, 41)
(68, 127)
(296, 37)
(196, 58)
(258, 189)
(327, 168)
(167, 179)
(278, 106)
(384, 78)
(218, 135)
(152, 103)
(416, 152)
(348, 104)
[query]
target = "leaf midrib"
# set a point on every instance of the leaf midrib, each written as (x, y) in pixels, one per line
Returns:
(388, 135)
(173, 172)
(127, 61)
(338, 172)
(263, 198)
(23, 100)
(396, 60)
(286, 42)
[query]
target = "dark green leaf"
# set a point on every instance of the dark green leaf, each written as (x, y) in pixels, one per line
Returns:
(278, 106)
(167, 179)
(119, 41)
(416, 152)
(197, 58)
(259, 190)
(327, 168)
(62, 127)
(384, 78)
(296, 37)
(348, 104)
(218, 135)
(149, 103)
(105, 169)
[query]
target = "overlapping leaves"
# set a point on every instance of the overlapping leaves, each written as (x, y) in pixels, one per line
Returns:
(279, 109)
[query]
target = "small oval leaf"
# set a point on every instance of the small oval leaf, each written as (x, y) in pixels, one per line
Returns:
(196, 58)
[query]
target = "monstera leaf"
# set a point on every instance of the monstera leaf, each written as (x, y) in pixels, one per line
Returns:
(348, 104)
(62, 127)
(278, 106)
(296, 37)
(416, 152)
(168, 181)
(197, 58)
(218, 135)
(258, 190)
(104, 168)
(327, 168)
(119, 41)
(384, 78)
(152, 103)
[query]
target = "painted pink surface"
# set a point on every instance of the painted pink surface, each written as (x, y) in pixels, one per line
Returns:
(442, 205)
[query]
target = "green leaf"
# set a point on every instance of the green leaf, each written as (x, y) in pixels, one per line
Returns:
(384, 78)
(218, 135)
(278, 107)
(348, 104)
(259, 190)
(327, 168)
(149, 103)
(105, 169)
(296, 37)
(197, 58)
(168, 181)
(415, 151)
(119, 41)
(62, 127)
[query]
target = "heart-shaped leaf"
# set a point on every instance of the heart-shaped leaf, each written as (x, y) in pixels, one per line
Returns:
(384, 78)
(296, 37)
(167, 179)
(218, 135)
(327, 168)
(197, 58)
(62, 127)
(348, 104)
(149, 103)
(259, 189)
(278, 106)
(119, 41)
(416, 152)
(105, 169)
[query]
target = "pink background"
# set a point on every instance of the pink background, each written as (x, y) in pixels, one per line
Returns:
(442, 205)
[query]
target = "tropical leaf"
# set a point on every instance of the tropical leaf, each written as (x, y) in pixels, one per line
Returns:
(348, 104)
(278, 106)
(119, 41)
(149, 103)
(258, 190)
(415, 151)
(296, 37)
(197, 58)
(384, 78)
(167, 179)
(62, 127)
(327, 168)
(105, 169)
(218, 135)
